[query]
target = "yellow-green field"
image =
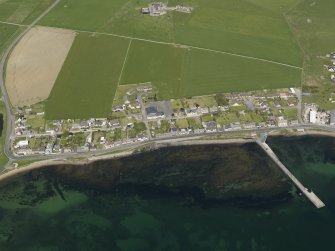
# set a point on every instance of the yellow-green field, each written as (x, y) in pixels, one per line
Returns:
(86, 85)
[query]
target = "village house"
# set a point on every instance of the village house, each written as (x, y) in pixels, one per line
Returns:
(203, 110)
(114, 123)
(290, 103)
(331, 68)
(191, 112)
(118, 108)
(210, 126)
(271, 123)
(199, 130)
(213, 109)
(135, 105)
(224, 108)
(261, 125)
(67, 149)
(281, 122)
(294, 122)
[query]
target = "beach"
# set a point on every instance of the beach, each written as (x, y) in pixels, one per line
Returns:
(155, 145)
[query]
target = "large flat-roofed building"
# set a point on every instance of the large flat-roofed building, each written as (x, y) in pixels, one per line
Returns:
(312, 117)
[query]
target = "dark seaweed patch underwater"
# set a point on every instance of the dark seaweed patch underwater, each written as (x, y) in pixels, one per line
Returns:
(211, 197)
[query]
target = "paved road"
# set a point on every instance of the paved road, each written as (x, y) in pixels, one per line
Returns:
(165, 139)
(10, 118)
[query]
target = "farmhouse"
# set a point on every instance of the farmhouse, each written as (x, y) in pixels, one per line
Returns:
(160, 8)
(155, 9)
(144, 88)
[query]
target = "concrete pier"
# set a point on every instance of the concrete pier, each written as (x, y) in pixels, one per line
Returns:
(310, 195)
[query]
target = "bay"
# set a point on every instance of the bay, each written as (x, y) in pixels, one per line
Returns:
(209, 197)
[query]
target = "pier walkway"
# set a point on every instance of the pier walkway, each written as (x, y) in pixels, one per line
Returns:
(309, 194)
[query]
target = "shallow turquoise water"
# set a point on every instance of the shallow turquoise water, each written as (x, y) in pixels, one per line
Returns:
(44, 210)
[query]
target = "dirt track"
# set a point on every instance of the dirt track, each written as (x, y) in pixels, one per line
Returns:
(34, 64)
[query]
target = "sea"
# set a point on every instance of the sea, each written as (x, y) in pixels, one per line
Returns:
(202, 197)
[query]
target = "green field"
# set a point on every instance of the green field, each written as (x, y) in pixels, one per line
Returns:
(184, 72)
(156, 63)
(210, 73)
(86, 85)
(22, 11)
(237, 26)
(7, 33)
(313, 23)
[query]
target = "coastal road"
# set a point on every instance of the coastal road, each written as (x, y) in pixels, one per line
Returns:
(192, 136)
(10, 117)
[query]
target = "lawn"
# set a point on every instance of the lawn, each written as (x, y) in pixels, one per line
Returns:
(86, 85)
(22, 11)
(7, 33)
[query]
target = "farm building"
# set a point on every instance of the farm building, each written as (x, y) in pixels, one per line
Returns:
(160, 8)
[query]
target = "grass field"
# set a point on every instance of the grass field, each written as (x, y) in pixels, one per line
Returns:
(313, 24)
(7, 33)
(237, 26)
(183, 72)
(22, 11)
(156, 63)
(210, 73)
(86, 85)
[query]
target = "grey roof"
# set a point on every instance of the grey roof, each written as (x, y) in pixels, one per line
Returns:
(151, 110)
